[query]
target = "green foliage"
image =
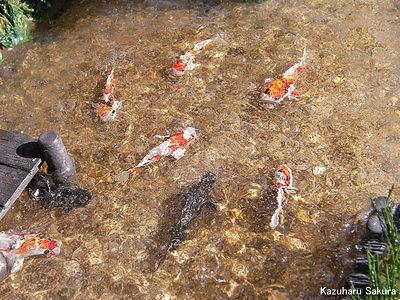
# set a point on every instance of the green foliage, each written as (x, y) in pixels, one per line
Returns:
(384, 272)
(38, 6)
(14, 20)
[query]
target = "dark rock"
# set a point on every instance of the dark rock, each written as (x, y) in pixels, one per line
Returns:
(51, 195)
(376, 247)
(361, 264)
(359, 281)
(376, 222)
(194, 200)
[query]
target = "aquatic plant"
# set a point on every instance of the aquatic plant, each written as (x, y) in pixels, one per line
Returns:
(38, 6)
(14, 20)
(384, 272)
(384, 268)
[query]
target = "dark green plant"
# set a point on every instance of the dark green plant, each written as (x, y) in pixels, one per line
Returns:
(14, 20)
(384, 272)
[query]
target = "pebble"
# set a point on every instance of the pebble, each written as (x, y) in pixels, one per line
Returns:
(374, 224)
(337, 79)
(319, 170)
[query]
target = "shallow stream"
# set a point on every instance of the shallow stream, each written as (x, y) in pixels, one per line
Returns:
(347, 120)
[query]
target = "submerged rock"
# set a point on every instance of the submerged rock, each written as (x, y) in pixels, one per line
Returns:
(375, 224)
(194, 200)
(56, 195)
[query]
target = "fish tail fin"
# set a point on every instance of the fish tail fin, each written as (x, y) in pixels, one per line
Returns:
(275, 218)
(305, 55)
(134, 170)
(219, 36)
(124, 176)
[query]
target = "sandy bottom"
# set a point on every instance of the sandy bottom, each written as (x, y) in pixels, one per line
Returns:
(347, 120)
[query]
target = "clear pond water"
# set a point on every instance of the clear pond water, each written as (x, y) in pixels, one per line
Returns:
(347, 120)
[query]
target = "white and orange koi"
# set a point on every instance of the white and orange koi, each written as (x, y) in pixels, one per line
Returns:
(284, 186)
(109, 106)
(175, 146)
(186, 61)
(276, 89)
(15, 247)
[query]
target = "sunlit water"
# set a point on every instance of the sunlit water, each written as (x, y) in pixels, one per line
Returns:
(347, 119)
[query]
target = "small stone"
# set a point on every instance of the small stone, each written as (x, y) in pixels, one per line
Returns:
(374, 224)
(318, 170)
(337, 79)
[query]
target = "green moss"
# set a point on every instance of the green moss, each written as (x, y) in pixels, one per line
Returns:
(14, 20)
(385, 273)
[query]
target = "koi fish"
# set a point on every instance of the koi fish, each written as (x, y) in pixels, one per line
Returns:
(283, 86)
(109, 106)
(15, 247)
(284, 186)
(174, 145)
(186, 61)
(194, 201)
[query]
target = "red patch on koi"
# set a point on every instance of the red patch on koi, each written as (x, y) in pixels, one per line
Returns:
(278, 87)
(179, 65)
(26, 246)
(156, 158)
(48, 245)
(103, 110)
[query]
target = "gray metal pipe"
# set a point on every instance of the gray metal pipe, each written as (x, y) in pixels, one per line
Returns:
(60, 164)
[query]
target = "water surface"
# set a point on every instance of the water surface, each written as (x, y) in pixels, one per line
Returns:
(347, 120)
